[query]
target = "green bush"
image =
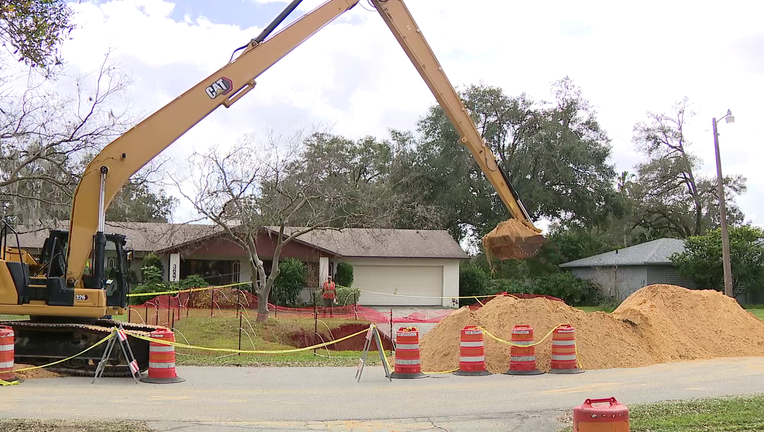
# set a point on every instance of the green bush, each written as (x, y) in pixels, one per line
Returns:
(496, 286)
(347, 296)
(565, 286)
(473, 281)
(289, 282)
(152, 269)
(193, 281)
(344, 274)
(151, 287)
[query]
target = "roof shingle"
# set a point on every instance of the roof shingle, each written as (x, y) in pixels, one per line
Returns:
(656, 252)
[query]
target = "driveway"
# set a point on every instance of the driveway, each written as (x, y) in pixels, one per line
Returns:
(299, 399)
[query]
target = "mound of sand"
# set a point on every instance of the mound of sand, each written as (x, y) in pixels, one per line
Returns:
(658, 323)
(34, 373)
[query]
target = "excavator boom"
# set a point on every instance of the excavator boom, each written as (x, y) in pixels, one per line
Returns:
(127, 154)
(513, 239)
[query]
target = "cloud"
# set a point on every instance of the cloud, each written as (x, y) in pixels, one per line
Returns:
(628, 58)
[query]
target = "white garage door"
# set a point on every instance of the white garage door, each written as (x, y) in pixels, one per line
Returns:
(424, 281)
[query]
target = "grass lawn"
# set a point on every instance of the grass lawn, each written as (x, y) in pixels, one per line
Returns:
(275, 334)
(727, 414)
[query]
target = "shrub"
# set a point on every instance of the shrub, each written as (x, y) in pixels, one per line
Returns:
(344, 274)
(347, 295)
(193, 281)
(565, 286)
(152, 269)
(473, 281)
(496, 286)
(289, 282)
(150, 287)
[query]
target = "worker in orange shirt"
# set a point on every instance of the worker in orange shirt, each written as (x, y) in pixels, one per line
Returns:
(330, 295)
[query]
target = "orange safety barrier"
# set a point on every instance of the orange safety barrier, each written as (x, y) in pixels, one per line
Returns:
(408, 364)
(162, 359)
(564, 359)
(522, 360)
(6, 354)
(471, 353)
(612, 418)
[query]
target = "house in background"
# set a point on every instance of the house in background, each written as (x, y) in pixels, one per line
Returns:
(623, 271)
(392, 267)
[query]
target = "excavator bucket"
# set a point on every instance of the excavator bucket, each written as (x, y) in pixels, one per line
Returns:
(512, 239)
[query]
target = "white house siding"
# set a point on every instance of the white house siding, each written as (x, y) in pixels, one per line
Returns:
(616, 282)
(405, 281)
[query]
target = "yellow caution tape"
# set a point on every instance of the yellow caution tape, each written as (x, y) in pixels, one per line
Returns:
(230, 350)
(443, 372)
(518, 345)
(8, 383)
(187, 290)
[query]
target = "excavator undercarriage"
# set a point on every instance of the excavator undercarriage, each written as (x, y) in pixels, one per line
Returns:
(43, 342)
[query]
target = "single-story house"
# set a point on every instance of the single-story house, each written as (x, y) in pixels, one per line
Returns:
(391, 266)
(623, 271)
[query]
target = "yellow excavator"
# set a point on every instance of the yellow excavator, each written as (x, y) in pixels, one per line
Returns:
(67, 294)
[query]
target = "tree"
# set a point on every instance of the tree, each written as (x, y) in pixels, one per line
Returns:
(701, 260)
(46, 132)
(473, 281)
(555, 155)
(35, 30)
(673, 199)
(273, 190)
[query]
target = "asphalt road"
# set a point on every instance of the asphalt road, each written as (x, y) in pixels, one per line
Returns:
(299, 399)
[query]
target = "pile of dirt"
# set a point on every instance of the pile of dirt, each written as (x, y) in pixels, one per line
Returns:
(658, 323)
(34, 373)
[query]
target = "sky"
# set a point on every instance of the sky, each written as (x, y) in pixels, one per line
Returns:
(353, 78)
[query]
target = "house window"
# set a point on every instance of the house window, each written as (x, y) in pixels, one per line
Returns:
(215, 272)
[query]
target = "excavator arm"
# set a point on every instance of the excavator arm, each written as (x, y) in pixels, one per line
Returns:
(513, 239)
(111, 169)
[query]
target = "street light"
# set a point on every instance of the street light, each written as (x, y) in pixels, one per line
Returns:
(722, 208)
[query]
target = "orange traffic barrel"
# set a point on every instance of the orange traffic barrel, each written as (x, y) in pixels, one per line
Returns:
(408, 364)
(471, 352)
(522, 354)
(564, 358)
(611, 418)
(6, 354)
(162, 359)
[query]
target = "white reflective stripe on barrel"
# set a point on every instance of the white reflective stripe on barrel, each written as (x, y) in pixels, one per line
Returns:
(564, 357)
(161, 365)
(412, 334)
(167, 348)
(407, 346)
(6, 364)
(522, 358)
(6, 347)
(563, 342)
(471, 344)
(472, 359)
(406, 362)
(522, 342)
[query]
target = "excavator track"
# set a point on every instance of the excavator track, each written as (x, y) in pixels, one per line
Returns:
(39, 343)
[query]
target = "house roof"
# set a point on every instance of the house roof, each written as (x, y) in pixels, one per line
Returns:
(141, 236)
(384, 243)
(656, 252)
(348, 242)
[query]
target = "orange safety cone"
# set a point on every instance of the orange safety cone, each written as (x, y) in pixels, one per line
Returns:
(471, 353)
(162, 359)
(6, 355)
(612, 418)
(564, 358)
(522, 360)
(408, 364)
